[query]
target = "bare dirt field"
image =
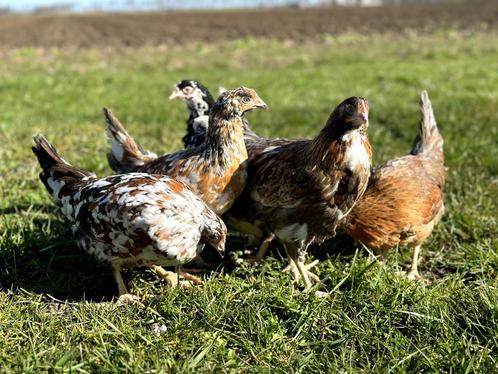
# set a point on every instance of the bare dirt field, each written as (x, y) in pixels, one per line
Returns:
(139, 29)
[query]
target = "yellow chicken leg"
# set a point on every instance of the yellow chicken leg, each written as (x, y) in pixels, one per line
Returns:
(124, 296)
(263, 249)
(413, 274)
(298, 269)
(173, 278)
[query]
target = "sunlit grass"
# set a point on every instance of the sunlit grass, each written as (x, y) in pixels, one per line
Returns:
(252, 318)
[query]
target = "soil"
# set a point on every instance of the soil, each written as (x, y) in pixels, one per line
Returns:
(165, 28)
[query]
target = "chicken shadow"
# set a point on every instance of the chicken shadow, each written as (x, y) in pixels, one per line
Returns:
(41, 263)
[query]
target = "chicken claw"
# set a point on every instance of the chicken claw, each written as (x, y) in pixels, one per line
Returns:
(172, 278)
(128, 299)
(300, 272)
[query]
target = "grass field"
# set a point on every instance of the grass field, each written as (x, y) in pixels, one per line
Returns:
(58, 309)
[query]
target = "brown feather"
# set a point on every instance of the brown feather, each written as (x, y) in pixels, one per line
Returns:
(404, 198)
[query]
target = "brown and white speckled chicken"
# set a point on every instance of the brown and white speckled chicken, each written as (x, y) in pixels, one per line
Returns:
(302, 190)
(404, 198)
(216, 170)
(132, 219)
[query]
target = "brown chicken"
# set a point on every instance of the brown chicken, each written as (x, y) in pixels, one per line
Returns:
(302, 190)
(404, 198)
(216, 170)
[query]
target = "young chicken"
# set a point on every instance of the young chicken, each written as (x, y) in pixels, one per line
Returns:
(131, 219)
(217, 169)
(199, 101)
(197, 96)
(302, 190)
(404, 198)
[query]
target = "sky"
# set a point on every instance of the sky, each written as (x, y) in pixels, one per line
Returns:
(122, 5)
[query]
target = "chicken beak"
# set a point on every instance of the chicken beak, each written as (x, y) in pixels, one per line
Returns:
(176, 94)
(220, 248)
(358, 120)
(219, 244)
(261, 104)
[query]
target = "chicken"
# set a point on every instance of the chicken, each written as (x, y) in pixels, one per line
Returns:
(217, 169)
(197, 96)
(199, 101)
(404, 198)
(302, 190)
(131, 219)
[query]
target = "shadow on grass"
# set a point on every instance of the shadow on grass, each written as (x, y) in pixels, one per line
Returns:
(57, 268)
(53, 265)
(48, 264)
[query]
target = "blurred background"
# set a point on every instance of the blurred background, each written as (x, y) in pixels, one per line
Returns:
(135, 5)
(129, 23)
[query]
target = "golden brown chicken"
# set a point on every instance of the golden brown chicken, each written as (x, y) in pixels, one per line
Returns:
(216, 170)
(302, 190)
(404, 198)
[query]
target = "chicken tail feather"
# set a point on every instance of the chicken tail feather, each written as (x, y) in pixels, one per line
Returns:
(428, 141)
(126, 154)
(57, 174)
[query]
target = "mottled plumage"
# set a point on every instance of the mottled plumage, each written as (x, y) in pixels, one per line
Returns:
(404, 198)
(302, 190)
(126, 154)
(199, 101)
(215, 170)
(197, 96)
(132, 219)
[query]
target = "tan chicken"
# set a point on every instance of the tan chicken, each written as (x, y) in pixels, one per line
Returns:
(404, 198)
(216, 170)
(302, 190)
(199, 102)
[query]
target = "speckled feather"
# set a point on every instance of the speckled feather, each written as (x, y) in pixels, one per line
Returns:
(215, 170)
(199, 101)
(126, 154)
(303, 189)
(134, 219)
(198, 97)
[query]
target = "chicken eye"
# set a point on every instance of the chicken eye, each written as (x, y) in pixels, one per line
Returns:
(246, 99)
(187, 90)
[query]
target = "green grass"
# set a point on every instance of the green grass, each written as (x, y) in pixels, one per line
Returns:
(57, 308)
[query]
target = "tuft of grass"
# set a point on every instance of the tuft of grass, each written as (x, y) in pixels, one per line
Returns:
(58, 311)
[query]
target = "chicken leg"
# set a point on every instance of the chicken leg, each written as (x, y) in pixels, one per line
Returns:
(124, 296)
(413, 274)
(173, 278)
(263, 249)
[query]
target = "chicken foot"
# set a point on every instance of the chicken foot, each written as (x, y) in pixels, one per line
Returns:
(173, 278)
(298, 269)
